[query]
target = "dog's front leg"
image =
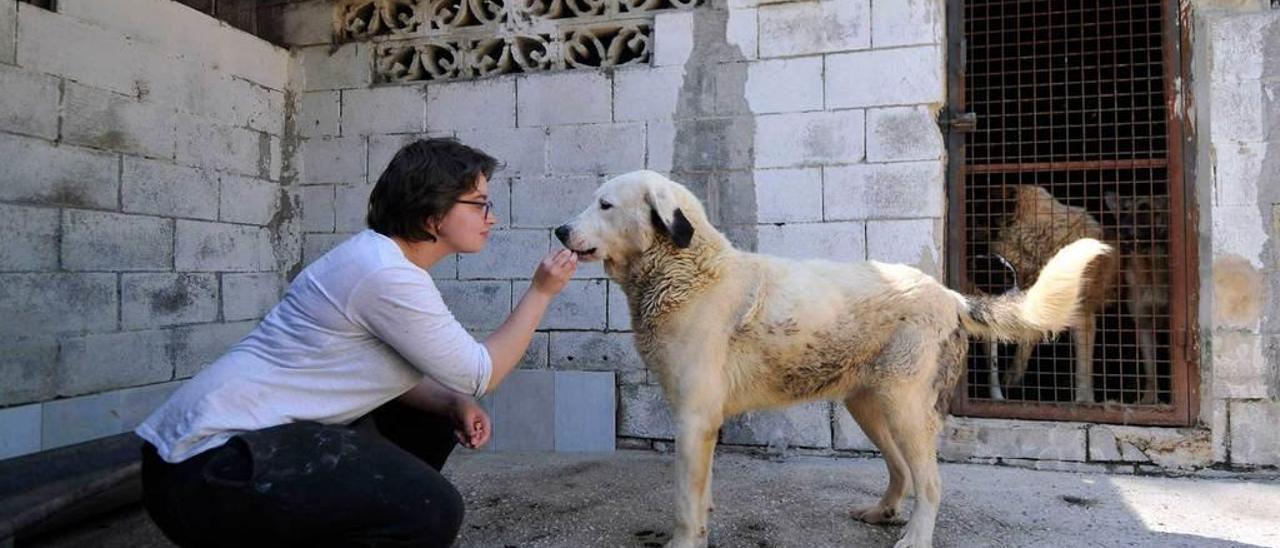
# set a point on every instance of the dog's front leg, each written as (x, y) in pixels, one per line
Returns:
(695, 449)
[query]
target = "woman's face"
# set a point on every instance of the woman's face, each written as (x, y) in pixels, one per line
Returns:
(465, 228)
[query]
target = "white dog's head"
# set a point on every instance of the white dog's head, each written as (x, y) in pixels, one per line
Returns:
(627, 216)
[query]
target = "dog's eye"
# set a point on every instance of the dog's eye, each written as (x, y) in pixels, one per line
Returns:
(605, 205)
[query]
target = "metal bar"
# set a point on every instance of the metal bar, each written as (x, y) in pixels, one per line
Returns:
(1068, 166)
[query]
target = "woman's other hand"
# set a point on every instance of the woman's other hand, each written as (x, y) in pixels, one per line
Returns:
(471, 423)
(554, 272)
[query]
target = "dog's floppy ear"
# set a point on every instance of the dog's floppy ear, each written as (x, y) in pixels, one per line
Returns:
(667, 217)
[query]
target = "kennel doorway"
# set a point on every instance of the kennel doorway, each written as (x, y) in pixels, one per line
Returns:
(1064, 120)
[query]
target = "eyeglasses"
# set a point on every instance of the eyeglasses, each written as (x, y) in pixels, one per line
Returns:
(488, 205)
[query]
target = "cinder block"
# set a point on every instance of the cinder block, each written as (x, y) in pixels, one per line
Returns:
(381, 149)
(720, 144)
(162, 188)
(348, 66)
(36, 171)
(157, 300)
(56, 44)
(964, 438)
(1237, 108)
(806, 28)
(392, 109)
(248, 200)
(896, 24)
(917, 242)
(315, 246)
(525, 408)
(1239, 368)
(903, 134)
(619, 310)
(1168, 448)
(479, 104)
(660, 145)
(743, 30)
(318, 208)
(535, 356)
(500, 195)
(31, 238)
(334, 160)
(803, 89)
(75, 420)
(1238, 173)
(205, 143)
(94, 240)
(29, 370)
(1237, 44)
(257, 107)
(532, 208)
(846, 434)
(58, 303)
(8, 36)
(97, 363)
(197, 346)
(644, 412)
(594, 351)
(319, 114)
(833, 241)
(584, 412)
(672, 38)
(581, 305)
(510, 254)
(522, 151)
(540, 98)
(904, 76)
(31, 99)
(789, 195)
(19, 426)
(647, 93)
(806, 139)
(804, 425)
(102, 119)
(249, 296)
(477, 304)
(879, 191)
(203, 247)
(351, 205)
(600, 149)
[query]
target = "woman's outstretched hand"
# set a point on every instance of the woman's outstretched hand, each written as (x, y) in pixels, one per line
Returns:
(554, 271)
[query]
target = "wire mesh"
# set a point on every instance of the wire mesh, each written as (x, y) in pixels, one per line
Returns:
(1072, 140)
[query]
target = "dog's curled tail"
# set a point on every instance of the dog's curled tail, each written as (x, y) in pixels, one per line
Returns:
(1050, 305)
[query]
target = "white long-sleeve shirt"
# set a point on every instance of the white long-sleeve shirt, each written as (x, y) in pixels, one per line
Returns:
(356, 329)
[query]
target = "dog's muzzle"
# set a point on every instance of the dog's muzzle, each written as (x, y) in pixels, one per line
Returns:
(562, 234)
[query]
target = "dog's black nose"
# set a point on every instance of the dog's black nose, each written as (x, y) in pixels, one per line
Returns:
(562, 233)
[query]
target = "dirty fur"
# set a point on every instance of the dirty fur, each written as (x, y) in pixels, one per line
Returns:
(728, 332)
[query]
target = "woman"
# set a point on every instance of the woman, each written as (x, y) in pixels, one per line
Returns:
(329, 423)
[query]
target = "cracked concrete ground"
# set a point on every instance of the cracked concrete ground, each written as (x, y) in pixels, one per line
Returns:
(624, 499)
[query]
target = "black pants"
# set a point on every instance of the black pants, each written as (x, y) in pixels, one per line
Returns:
(374, 483)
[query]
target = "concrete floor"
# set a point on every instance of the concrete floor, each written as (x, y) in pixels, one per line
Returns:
(624, 499)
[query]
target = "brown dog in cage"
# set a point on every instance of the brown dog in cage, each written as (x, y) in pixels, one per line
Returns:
(1143, 231)
(1037, 228)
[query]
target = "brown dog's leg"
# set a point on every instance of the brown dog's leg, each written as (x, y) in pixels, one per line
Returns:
(866, 410)
(1083, 337)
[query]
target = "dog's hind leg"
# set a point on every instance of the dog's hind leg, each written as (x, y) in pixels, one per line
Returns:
(993, 378)
(915, 431)
(866, 410)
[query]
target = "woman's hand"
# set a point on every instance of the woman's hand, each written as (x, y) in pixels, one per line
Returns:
(471, 423)
(554, 272)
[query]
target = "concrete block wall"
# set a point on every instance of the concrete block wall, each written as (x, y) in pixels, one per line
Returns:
(815, 167)
(148, 211)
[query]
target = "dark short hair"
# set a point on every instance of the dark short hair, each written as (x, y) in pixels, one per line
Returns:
(424, 180)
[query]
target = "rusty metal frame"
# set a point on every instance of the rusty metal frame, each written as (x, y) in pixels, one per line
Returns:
(1184, 351)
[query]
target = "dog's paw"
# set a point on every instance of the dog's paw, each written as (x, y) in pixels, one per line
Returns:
(911, 540)
(876, 514)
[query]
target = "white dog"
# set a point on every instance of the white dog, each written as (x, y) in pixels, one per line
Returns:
(729, 331)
